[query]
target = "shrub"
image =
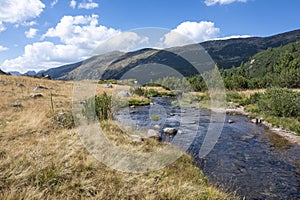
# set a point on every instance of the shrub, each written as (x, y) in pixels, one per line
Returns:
(64, 120)
(138, 91)
(280, 102)
(99, 107)
(254, 98)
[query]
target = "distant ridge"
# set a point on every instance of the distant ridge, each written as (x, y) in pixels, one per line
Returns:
(226, 53)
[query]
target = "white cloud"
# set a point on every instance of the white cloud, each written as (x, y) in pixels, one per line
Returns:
(88, 5)
(79, 35)
(53, 3)
(2, 48)
(31, 33)
(43, 55)
(82, 31)
(233, 37)
(222, 2)
(31, 23)
(2, 27)
(190, 32)
(15, 11)
(73, 4)
(126, 41)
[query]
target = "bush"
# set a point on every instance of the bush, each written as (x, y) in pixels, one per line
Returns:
(99, 107)
(280, 102)
(254, 98)
(138, 91)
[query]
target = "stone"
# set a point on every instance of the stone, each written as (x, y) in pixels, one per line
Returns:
(133, 106)
(20, 85)
(157, 126)
(230, 121)
(123, 94)
(153, 134)
(257, 120)
(136, 138)
(180, 132)
(36, 96)
(16, 105)
(170, 131)
(37, 88)
(108, 86)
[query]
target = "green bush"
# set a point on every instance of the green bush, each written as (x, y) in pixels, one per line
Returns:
(280, 102)
(254, 98)
(138, 91)
(99, 107)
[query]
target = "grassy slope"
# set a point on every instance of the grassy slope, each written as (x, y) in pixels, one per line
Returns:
(40, 160)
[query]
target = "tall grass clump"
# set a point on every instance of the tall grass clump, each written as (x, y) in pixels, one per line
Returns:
(100, 107)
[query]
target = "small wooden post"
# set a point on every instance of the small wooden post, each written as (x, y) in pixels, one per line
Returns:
(52, 107)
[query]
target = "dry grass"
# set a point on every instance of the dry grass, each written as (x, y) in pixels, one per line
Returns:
(40, 160)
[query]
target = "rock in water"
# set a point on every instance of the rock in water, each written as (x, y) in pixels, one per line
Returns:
(153, 134)
(170, 131)
(230, 121)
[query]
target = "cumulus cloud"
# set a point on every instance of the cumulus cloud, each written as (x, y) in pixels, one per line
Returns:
(222, 2)
(16, 11)
(31, 33)
(190, 32)
(2, 48)
(79, 36)
(127, 41)
(82, 31)
(73, 4)
(88, 5)
(43, 55)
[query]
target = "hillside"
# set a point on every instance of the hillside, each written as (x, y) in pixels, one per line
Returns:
(226, 53)
(2, 72)
(42, 156)
(274, 67)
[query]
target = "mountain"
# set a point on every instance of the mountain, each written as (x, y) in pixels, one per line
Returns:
(2, 72)
(226, 53)
(274, 67)
(30, 73)
(15, 73)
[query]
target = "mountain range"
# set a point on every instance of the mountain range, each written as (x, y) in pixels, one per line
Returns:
(225, 53)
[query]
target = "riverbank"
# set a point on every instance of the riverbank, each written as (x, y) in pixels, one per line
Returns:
(289, 135)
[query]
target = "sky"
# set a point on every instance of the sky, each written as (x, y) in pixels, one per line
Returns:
(42, 34)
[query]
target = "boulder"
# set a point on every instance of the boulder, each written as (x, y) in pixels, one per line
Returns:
(136, 138)
(153, 134)
(123, 94)
(257, 120)
(170, 131)
(157, 126)
(230, 121)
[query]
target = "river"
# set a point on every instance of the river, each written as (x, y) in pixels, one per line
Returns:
(247, 158)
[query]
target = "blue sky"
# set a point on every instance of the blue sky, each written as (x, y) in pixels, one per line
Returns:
(40, 34)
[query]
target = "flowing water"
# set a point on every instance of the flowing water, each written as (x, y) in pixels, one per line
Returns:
(247, 158)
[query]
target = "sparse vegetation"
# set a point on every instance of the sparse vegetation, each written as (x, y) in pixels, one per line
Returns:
(39, 160)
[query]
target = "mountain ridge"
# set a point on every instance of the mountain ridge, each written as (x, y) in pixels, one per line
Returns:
(226, 53)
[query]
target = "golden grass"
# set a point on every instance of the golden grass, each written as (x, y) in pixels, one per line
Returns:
(40, 160)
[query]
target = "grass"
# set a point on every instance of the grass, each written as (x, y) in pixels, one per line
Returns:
(39, 159)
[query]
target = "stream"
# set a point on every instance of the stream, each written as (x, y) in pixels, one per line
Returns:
(247, 158)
